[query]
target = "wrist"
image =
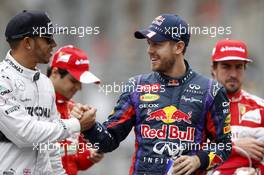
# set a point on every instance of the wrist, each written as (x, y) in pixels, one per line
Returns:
(197, 161)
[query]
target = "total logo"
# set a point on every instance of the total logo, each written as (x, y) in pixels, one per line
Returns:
(149, 97)
(170, 114)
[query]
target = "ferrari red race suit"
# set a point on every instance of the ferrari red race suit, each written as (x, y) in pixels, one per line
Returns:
(75, 151)
(247, 120)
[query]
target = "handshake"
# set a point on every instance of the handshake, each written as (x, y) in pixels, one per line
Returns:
(86, 115)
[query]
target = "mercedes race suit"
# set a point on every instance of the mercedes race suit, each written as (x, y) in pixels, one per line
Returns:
(27, 109)
(171, 117)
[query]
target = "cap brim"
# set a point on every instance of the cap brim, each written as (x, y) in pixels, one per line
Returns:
(88, 77)
(85, 77)
(150, 34)
(234, 59)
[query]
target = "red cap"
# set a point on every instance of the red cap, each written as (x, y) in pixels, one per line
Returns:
(226, 50)
(76, 62)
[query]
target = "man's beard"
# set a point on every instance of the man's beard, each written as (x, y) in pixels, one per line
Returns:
(165, 66)
(232, 90)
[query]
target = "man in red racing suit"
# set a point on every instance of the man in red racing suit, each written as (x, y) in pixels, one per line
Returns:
(77, 153)
(247, 116)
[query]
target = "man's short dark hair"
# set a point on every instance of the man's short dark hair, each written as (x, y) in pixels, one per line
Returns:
(14, 43)
(62, 72)
(215, 65)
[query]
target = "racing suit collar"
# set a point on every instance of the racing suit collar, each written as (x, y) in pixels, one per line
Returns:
(33, 75)
(236, 97)
(170, 81)
(60, 98)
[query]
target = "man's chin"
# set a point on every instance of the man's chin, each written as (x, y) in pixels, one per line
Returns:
(156, 69)
(232, 90)
(46, 61)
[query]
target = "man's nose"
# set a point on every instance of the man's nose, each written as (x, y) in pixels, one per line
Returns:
(53, 43)
(150, 49)
(78, 86)
(233, 72)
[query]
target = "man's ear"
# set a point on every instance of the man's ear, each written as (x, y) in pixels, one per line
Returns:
(213, 72)
(28, 43)
(179, 47)
(54, 73)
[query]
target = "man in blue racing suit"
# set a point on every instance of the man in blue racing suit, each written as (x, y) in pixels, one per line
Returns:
(174, 110)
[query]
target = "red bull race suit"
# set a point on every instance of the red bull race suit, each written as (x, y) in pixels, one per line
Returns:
(171, 117)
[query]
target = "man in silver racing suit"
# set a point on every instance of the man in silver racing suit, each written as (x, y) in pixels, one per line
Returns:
(29, 121)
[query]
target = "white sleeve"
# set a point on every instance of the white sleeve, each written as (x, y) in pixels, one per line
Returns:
(55, 161)
(54, 154)
(25, 131)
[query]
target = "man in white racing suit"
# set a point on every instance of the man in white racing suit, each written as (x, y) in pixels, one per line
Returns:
(29, 121)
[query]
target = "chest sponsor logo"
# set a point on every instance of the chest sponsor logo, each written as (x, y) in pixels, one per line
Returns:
(173, 133)
(156, 160)
(252, 116)
(173, 149)
(145, 106)
(149, 97)
(228, 119)
(152, 88)
(12, 109)
(25, 99)
(190, 99)
(227, 129)
(170, 114)
(38, 111)
(16, 67)
(194, 89)
(194, 86)
(4, 91)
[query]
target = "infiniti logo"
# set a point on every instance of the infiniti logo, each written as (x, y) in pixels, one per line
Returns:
(194, 86)
(173, 149)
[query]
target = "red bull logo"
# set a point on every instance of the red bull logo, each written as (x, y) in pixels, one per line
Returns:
(170, 114)
(214, 159)
(174, 132)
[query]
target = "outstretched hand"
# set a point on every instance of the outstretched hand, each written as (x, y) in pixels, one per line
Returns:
(86, 115)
